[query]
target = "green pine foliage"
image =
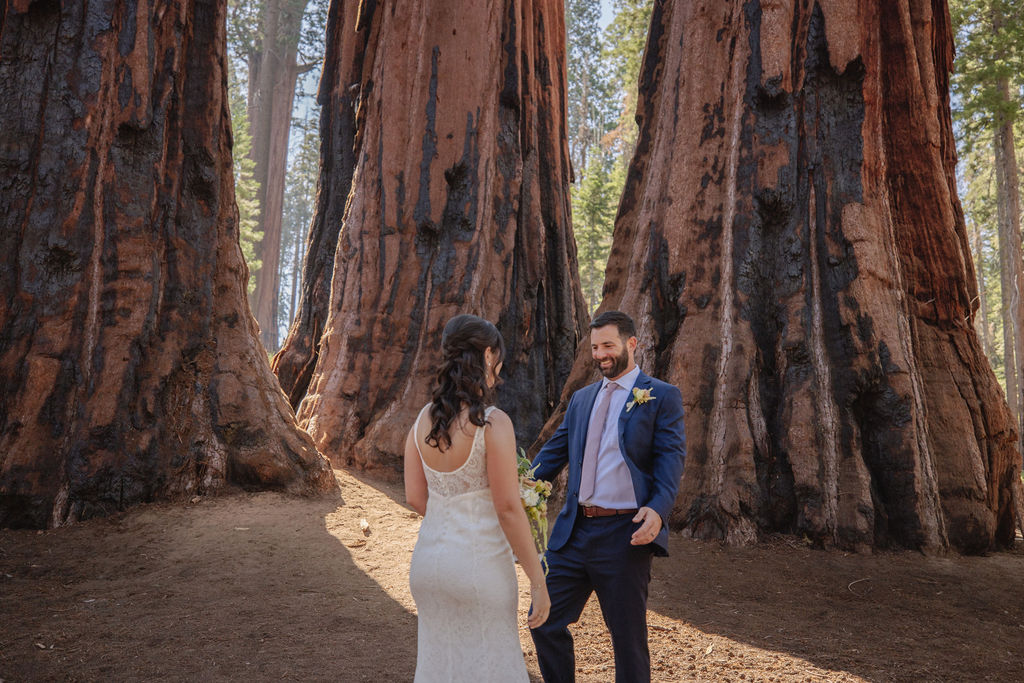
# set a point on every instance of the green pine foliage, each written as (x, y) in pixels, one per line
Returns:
(590, 106)
(989, 37)
(977, 195)
(624, 39)
(246, 187)
(243, 25)
(602, 67)
(989, 40)
(594, 201)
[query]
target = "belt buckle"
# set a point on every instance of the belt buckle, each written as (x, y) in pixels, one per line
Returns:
(590, 511)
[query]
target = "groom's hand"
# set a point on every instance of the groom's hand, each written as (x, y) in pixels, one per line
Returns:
(648, 531)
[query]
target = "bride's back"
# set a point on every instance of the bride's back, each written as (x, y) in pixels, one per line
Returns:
(462, 433)
(462, 576)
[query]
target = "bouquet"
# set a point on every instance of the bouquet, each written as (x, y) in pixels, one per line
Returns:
(534, 494)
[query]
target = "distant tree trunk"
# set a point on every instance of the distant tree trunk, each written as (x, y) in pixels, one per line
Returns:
(340, 146)
(459, 176)
(791, 242)
(982, 322)
(1008, 218)
(293, 290)
(271, 119)
(584, 135)
(1008, 306)
(129, 358)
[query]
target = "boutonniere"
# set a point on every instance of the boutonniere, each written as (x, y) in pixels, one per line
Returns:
(640, 397)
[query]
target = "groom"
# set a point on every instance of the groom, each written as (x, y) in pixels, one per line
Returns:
(623, 441)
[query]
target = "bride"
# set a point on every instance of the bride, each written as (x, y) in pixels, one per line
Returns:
(460, 474)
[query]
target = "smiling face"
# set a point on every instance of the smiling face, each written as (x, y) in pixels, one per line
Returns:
(612, 354)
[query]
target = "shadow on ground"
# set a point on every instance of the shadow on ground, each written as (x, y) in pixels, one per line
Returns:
(249, 587)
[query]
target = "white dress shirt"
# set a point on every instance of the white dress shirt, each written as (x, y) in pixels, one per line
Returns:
(614, 487)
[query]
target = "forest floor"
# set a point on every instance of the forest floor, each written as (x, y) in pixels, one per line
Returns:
(267, 587)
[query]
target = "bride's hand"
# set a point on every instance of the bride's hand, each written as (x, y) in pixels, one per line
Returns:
(541, 605)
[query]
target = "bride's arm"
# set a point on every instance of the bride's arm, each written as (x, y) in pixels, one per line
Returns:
(415, 480)
(503, 476)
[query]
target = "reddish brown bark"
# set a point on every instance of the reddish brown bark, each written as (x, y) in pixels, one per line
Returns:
(129, 358)
(792, 245)
(458, 202)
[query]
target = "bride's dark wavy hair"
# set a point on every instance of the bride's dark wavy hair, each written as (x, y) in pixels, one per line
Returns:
(462, 378)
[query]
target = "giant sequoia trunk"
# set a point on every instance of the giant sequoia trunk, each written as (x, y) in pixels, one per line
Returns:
(128, 356)
(455, 159)
(792, 245)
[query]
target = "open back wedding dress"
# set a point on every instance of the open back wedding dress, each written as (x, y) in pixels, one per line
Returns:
(463, 579)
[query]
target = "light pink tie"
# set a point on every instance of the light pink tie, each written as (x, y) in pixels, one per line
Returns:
(588, 479)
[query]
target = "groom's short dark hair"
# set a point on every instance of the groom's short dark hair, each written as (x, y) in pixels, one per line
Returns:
(623, 323)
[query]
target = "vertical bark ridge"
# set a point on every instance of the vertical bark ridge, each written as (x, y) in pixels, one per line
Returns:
(718, 418)
(831, 436)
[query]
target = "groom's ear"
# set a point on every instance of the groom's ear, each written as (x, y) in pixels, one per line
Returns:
(631, 343)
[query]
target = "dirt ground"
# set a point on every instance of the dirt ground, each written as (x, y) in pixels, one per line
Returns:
(268, 587)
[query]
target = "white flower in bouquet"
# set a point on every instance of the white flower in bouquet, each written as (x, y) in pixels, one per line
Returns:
(530, 496)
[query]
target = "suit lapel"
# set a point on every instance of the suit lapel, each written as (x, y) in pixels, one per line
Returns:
(642, 382)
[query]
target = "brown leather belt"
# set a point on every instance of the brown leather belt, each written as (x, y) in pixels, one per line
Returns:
(598, 511)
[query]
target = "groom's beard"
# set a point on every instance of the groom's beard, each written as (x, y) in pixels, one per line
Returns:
(618, 366)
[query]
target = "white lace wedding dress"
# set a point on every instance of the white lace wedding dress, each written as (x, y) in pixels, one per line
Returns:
(463, 580)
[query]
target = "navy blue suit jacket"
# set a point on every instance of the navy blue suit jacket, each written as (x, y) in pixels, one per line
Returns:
(652, 440)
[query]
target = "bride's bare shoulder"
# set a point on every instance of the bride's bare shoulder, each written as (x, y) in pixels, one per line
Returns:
(496, 412)
(499, 417)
